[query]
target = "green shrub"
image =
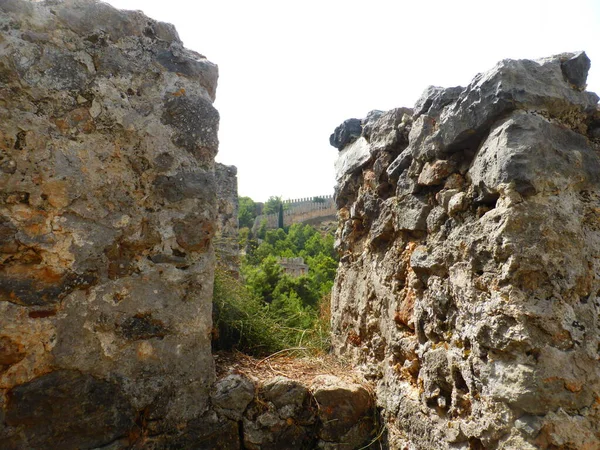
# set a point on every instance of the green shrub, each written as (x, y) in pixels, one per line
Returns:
(244, 322)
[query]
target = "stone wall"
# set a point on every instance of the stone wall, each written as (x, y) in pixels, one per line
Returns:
(328, 413)
(294, 267)
(299, 211)
(107, 212)
(227, 248)
(468, 287)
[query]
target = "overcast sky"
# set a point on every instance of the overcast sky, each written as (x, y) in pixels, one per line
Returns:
(291, 71)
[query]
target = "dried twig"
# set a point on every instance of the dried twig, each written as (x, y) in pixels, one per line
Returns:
(383, 427)
(277, 371)
(291, 349)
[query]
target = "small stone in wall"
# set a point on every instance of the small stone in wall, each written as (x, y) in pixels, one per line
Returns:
(435, 173)
(344, 410)
(232, 395)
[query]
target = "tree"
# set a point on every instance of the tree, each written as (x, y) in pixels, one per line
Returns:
(280, 218)
(272, 205)
(246, 212)
(263, 279)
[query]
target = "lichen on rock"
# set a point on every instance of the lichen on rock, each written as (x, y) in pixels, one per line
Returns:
(469, 277)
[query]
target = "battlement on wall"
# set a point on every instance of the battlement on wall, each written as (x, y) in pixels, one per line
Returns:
(299, 211)
(315, 199)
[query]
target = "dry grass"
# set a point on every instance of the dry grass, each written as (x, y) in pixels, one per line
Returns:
(294, 364)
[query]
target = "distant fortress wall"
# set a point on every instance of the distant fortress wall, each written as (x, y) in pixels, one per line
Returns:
(298, 211)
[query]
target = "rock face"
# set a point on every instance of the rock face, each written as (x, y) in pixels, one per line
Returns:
(227, 248)
(107, 212)
(470, 274)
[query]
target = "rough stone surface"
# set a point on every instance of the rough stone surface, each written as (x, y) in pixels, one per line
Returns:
(353, 157)
(343, 409)
(279, 413)
(34, 405)
(227, 248)
(107, 213)
(469, 277)
(231, 396)
(330, 413)
(346, 133)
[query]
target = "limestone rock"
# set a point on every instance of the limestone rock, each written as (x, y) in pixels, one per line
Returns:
(434, 99)
(64, 408)
(474, 305)
(344, 410)
(232, 395)
(346, 133)
(436, 172)
(387, 131)
(539, 86)
(352, 157)
(227, 248)
(575, 68)
(282, 391)
(533, 155)
(107, 214)
(412, 213)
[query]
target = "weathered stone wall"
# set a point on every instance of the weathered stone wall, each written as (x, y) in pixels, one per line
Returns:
(327, 413)
(227, 247)
(470, 274)
(107, 211)
(299, 212)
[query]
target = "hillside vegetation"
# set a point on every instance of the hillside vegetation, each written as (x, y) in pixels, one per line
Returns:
(267, 310)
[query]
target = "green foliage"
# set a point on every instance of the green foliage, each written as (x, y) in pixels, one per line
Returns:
(245, 322)
(272, 205)
(271, 310)
(246, 212)
(263, 280)
(262, 229)
(302, 287)
(244, 236)
(240, 320)
(280, 216)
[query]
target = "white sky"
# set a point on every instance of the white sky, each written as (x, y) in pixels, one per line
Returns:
(291, 71)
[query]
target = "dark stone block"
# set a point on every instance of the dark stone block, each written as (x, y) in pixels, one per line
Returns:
(576, 69)
(199, 185)
(435, 99)
(67, 410)
(142, 326)
(346, 133)
(399, 165)
(41, 286)
(64, 72)
(196, 123)
(207, 433)
(163, 162)
(111, 62)
(181, 64)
